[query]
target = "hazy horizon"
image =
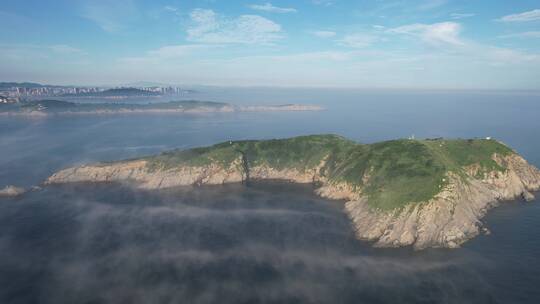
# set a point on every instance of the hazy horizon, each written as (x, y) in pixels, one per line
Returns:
(277, 87)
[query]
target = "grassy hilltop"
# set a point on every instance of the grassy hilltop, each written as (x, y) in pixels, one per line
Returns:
(60, 106)
(392, 173)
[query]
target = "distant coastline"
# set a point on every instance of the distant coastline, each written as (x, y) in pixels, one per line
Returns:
(58, 107)
(42, 91)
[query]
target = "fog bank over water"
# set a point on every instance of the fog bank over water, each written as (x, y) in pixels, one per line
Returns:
(267, 243)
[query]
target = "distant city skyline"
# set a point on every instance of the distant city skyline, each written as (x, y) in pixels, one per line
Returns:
(418, 44)
(23, 90)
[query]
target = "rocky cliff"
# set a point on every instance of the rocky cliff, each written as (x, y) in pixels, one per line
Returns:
(10, 191)
(399, 193)
(452, 216)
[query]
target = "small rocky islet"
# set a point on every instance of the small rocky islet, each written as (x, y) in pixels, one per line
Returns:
(11, 191)
(405, 192)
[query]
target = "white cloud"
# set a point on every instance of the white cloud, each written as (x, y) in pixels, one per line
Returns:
(323, 2)
(522, 17)
(111, 16)
(457, 16)
(358, 40)
(205, 21)
(268, 7)
(170, 8)
(437, 33)
(324, 34)
(208, 27)
(446, 36)
(531, 34)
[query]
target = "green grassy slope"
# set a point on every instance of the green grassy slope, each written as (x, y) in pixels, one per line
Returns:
(59, 106)
(391, 173)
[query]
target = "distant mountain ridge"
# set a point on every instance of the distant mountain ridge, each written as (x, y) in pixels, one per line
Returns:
(28, 85)
(147, 84)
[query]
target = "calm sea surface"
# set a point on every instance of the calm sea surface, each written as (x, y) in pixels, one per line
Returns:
(261, 243)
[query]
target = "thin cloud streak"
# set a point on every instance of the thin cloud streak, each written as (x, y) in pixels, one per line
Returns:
(457, 16)
(444, 32)
(533, 15)
(269, 7)
(110, 16)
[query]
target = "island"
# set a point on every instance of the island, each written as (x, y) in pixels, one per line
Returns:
(404, 192)
(48, 107)
(10, 191)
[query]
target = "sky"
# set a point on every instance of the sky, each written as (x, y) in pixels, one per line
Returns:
(430, 44)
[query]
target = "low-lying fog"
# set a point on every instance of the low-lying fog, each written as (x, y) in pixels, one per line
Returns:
(225, 244)
(266, 243)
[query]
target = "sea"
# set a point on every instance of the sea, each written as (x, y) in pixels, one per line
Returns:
(271, 242)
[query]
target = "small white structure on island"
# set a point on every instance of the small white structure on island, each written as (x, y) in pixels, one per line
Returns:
(488, 138)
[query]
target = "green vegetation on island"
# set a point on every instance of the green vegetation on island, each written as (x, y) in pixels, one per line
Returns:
(391, 173)
(188, 106)
(60, 106)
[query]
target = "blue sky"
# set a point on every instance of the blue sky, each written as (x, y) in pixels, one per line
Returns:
(463, 44)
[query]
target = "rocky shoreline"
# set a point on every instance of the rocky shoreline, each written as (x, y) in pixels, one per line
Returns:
(453, 216)
(448, 220)
(195, 110)
(11, 191)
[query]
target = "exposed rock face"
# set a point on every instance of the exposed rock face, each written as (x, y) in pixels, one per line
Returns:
(450, 218)
(527, 196)
(453, 216)
(11, 191)
(146, 178)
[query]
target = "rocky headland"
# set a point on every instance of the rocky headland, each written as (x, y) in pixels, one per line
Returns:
(61, 107)
(420, 193)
